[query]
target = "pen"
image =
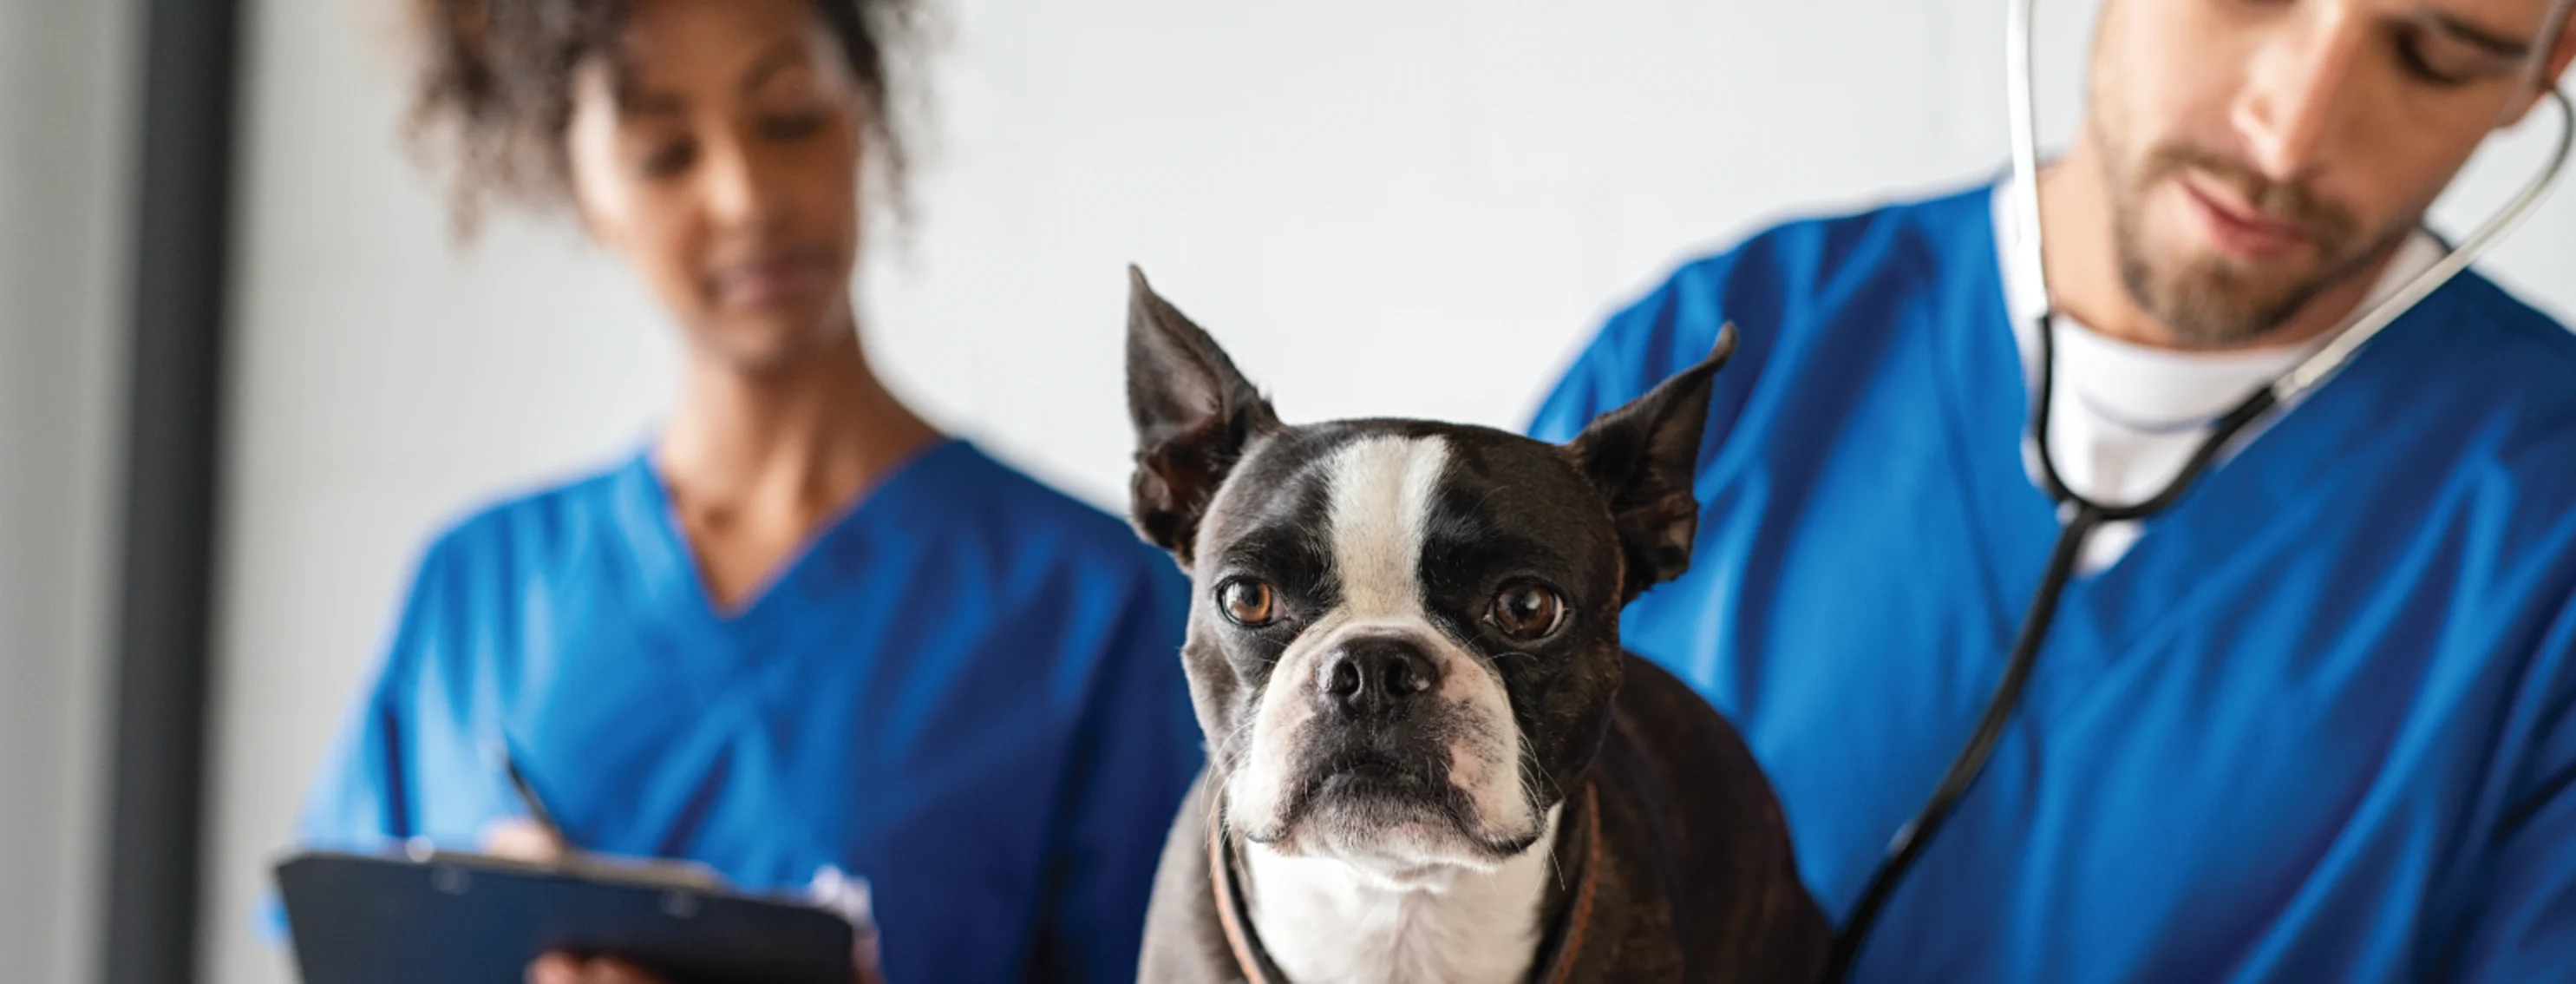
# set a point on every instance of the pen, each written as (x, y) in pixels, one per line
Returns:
(527, 793)
(669, 873)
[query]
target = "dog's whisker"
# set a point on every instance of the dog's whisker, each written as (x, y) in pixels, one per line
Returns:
(1392, 768)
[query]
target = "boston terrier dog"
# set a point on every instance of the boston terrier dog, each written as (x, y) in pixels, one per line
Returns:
(1429, 760)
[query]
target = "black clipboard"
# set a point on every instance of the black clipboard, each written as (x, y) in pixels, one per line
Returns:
(469, 919)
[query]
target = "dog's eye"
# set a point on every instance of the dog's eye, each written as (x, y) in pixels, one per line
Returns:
(1249, 603)
(1526, 611)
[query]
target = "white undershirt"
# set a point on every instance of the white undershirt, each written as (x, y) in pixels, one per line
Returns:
(2126, 417)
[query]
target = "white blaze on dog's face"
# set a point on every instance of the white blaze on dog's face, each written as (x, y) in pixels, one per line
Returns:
(1380, 738)
(1404, 640)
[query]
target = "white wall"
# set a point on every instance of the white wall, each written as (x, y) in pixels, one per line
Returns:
(65, 124)
(1414, 207)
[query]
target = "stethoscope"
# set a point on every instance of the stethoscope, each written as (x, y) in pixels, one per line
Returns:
(2081, 515)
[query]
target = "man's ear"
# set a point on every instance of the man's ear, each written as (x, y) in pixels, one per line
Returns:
(1643, 458)
(2560, 40)
(1194, 416)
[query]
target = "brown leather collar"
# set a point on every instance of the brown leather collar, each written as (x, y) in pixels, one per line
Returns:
(1557, 951)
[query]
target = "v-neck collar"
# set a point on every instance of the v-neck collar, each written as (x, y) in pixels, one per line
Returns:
(2230, 507)
(669, 566)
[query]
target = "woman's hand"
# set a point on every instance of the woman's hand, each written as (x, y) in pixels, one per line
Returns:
(525, 840)
(522, 840)
(564, 968)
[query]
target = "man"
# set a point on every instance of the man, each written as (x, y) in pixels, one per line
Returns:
(2317, 720)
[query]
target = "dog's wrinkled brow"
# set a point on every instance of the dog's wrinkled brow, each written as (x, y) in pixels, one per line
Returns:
(1492, 553)
(1280, 551)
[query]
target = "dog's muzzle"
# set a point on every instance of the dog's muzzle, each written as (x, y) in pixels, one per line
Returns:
(1375, 679)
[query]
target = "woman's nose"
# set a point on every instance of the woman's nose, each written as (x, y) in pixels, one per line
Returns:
(736, 190)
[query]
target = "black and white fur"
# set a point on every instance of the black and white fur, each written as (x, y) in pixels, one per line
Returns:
(1394, 755)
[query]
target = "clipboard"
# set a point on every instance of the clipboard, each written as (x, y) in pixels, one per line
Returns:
(469, 919)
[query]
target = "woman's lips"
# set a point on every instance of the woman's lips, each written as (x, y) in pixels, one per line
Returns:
(772, 280)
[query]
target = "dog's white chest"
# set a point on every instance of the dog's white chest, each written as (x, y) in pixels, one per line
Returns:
(1325, 920)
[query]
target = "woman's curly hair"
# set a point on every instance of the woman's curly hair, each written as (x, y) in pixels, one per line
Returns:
(494, 93)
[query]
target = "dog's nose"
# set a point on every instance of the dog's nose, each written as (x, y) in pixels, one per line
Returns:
(1376, 675)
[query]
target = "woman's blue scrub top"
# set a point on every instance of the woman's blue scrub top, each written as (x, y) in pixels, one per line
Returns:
(966, 691)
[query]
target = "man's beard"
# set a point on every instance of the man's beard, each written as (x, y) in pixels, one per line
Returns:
(2215, 301)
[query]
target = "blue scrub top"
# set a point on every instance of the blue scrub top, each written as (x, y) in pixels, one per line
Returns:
(966, 690)
(2319, 724)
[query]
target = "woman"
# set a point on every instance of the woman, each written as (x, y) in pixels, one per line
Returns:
(800, 634)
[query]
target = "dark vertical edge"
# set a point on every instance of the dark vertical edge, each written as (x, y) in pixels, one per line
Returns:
(182, 233)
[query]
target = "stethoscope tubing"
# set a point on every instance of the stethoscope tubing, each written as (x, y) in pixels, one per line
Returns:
(2081, 515)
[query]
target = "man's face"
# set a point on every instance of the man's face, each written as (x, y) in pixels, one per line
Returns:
(2260, 152)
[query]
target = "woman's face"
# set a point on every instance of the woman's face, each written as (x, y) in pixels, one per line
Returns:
(718, 153)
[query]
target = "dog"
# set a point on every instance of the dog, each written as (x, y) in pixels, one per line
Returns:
(1429, 758)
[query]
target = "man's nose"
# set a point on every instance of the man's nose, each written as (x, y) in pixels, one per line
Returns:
(2297, 91)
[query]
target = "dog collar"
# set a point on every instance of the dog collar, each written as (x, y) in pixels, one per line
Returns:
(1556, 952)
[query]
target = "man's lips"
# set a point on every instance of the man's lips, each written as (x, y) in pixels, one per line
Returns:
(2239, 229)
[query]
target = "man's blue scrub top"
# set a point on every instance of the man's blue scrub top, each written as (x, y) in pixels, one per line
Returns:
(967, 692)
(2319, 724)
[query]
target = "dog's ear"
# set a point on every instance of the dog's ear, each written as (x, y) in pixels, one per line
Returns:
(1643, 458)
(1194, 415)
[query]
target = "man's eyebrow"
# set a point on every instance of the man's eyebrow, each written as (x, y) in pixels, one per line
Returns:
(2462, 29)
